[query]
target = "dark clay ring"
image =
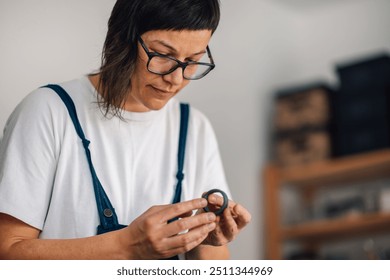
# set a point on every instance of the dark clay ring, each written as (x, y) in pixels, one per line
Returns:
(225, 201)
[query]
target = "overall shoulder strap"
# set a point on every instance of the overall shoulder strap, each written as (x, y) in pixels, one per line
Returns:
(107, 215)
(184, 116)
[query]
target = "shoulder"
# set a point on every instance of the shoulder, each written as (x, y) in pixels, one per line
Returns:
(198, 122)
(37, 105)
(43, 98)
(40, 108)
(200, 129)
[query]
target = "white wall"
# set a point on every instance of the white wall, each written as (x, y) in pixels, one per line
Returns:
(260, 45)
(47, 41)
(328, 32)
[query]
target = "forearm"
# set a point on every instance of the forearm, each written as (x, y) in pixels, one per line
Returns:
(96, 247)
(149, 236)
(206, 252)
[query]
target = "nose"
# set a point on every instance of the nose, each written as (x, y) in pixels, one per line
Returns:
(175, 78)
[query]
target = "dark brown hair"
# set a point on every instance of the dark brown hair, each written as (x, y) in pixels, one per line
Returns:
(130, 19)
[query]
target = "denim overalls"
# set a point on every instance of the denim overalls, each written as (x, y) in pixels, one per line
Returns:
(107, 216)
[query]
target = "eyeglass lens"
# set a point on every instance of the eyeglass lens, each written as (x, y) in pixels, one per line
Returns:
(164, 65)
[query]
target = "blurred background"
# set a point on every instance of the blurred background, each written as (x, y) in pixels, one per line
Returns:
(299, 101)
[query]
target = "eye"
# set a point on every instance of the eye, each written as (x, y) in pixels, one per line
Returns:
(192, 60)
(159, 52)
(196, 58)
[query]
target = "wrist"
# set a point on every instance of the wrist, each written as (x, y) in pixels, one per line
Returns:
(124, 248)
(198, 253)
(208, 252)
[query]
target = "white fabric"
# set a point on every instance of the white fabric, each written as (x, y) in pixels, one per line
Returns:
(44, 175)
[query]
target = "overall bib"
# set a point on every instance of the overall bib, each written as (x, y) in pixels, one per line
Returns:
(107, 216)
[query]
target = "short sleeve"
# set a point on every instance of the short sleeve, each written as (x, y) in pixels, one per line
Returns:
(28, 158)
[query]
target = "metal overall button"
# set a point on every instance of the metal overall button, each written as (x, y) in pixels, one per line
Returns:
(224, 205)
(107, 213)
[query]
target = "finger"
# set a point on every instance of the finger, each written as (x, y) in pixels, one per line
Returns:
(215, 199)
(228, 225)
(243, 216)
(188, 214)
(217, 203)
(156, 209)
(178, 209)
(190, 239)
(183, 249)
(188, 223)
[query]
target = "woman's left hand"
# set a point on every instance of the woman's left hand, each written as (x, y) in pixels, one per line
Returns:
(229, 224)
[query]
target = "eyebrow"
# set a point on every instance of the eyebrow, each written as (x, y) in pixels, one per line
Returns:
(173, 49)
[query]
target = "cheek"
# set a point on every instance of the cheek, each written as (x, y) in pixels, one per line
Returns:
(140, 70)
(141, 76)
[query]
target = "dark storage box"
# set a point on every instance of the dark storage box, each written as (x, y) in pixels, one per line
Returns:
(360, 106)
(365, 73)
(360, 137)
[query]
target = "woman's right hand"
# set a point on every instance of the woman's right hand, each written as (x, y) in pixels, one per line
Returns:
(151, 236)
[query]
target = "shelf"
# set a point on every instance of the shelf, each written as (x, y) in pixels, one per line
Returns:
(339, 171)
(336, 228)
(307, 178)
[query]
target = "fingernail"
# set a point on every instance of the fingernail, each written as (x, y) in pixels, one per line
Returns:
(211, 226)
(211, 216)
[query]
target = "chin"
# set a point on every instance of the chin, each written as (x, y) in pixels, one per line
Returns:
(156, 105)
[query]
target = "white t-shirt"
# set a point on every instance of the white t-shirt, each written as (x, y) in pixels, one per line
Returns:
(45, 179)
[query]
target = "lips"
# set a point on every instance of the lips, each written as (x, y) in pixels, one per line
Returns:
(162, 92)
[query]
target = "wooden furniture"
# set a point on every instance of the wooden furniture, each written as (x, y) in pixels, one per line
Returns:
(307, 179)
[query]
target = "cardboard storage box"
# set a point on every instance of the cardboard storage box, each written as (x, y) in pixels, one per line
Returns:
(302, 107)
(302, 147)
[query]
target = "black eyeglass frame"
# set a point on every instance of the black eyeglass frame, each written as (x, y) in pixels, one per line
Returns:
(180, 64)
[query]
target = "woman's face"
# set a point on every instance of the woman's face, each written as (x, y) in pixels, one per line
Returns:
(151, 91)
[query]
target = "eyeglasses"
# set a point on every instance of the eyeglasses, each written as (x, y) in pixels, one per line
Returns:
(161, 64)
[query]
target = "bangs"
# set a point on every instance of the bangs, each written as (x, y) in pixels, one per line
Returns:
(179, 15)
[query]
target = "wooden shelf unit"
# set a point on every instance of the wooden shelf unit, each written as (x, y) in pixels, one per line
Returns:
(307, 179)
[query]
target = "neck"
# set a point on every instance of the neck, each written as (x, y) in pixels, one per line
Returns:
(130, 104)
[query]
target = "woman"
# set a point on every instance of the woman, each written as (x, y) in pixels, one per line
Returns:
(129, 125)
